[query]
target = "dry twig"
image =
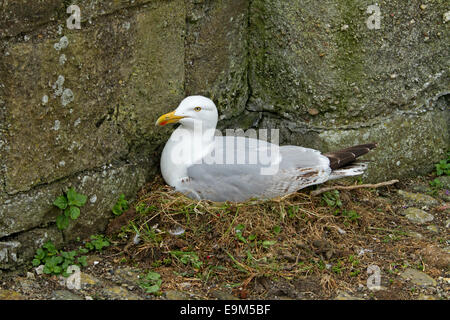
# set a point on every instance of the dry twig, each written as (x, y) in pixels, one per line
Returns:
(377, 185)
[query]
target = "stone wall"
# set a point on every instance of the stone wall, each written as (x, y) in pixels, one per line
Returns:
(317, 67)
(78, 107)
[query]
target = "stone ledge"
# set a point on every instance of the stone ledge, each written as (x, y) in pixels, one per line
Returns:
(21, 16)
(21, 248)
(24, 15)
(31, 209)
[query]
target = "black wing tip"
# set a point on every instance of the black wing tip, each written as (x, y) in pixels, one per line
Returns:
(341, 158)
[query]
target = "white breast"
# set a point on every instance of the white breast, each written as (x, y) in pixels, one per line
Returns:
(182, 150)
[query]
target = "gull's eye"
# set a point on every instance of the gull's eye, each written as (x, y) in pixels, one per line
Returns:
(197, 109)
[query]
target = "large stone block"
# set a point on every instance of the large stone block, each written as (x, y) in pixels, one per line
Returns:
(154, 77)
(22, 248)
(102, 187)
(327, 80)
(322, 55)
(2, 140)
(407, 144)
(81, 98)
(91, 9)
(25, 211)
(74, 101)
(58, 101)
(17, 16)
(217, 53)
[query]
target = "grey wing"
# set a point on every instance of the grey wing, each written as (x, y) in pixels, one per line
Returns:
(275, 174)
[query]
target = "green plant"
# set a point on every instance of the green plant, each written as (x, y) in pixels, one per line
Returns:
(187, 258)
(353, 259)
(268, 243)
(276, 229)
(443, 167)
(151, 282)
(337, 268)
(97, 242)
(143, 208)
(70, 204)
(436, 184)
(355, 273)
(57, 261)
(239, 235)
(292, 211)
(351, 215)
(320, 264)
(332, 199)
(121, 206)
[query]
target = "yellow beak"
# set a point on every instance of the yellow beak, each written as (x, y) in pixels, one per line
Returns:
(168, 118)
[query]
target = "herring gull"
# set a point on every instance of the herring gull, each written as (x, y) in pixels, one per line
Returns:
(204, 165)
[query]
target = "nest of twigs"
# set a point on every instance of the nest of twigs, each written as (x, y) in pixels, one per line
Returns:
(296, 236)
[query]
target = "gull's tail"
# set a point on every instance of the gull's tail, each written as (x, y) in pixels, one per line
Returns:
(343, 163)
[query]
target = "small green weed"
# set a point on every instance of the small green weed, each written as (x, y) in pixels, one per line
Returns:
(121, 206)
(143, 208)
(70, 204)
(332, 199)
(239, 228)
(57, 261)
(443, 167)
(292, 211)
(268, 243)
(98, 242)
(276, 229)
(187, 258)
(338, 267)
(239, 234)
(436, 184)
(151, 283)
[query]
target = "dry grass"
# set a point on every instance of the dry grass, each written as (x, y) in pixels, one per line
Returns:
(291, 238)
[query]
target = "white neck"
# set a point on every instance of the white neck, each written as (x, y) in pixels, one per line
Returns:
(186, 146)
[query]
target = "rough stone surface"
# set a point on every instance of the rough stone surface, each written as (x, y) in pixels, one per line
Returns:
(216, 53)
(75, 136)
(436, 257)
(10, 295)
(346, 296)
(445, 181)
(418, 277)
(89, 281)
(301, 57)
(23, 246)
(433, 228)
(153, 76)
(103, 187)
(119, 293)
(425, 297)
(66, 295)
(176, 295)
(418, 216)
(418, 198)
(388, 85)
(223, 295)
(23, 15)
